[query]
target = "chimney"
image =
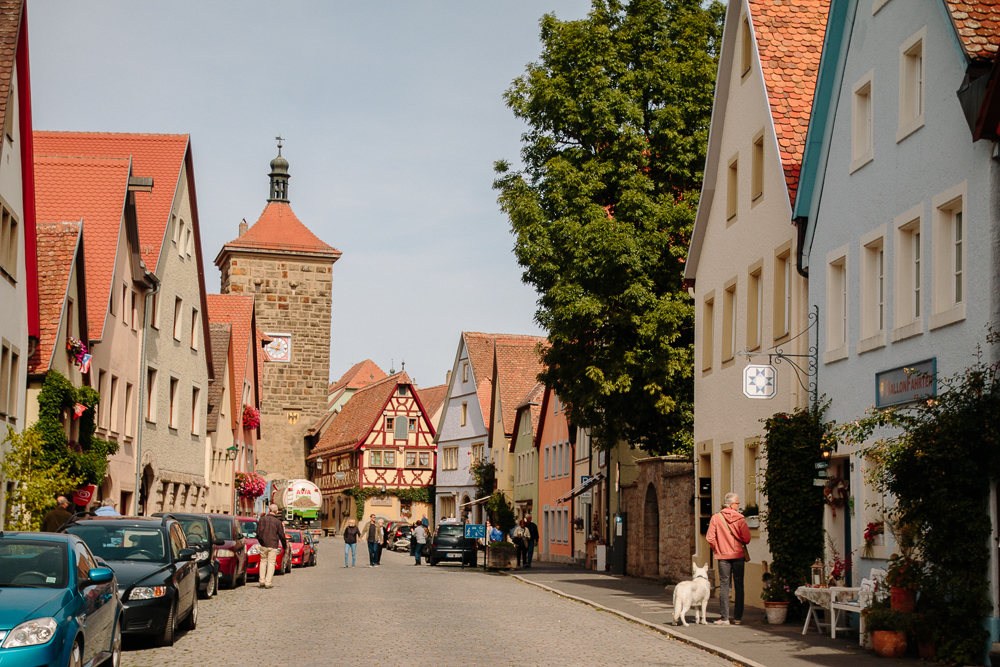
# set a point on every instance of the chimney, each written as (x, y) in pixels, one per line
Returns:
(447, 377)
(243, 227)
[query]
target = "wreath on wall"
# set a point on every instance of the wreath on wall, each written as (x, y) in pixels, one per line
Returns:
(835, 494)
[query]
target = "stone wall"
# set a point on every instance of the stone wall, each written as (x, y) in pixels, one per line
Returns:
(660, 506)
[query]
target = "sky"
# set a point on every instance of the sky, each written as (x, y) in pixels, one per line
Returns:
(392, 115)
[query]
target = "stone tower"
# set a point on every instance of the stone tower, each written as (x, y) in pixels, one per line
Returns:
(288, 270)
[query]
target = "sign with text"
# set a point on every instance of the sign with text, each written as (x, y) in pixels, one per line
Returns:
(475, 531)
(759, 381)
(586, 494)
(906, 384)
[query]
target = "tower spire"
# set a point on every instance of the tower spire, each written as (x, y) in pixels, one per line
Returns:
(279, 176)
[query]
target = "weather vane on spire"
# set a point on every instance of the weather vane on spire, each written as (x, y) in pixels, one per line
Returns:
(280, 139)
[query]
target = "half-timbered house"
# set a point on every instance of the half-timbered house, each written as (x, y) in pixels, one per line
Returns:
(380, 446)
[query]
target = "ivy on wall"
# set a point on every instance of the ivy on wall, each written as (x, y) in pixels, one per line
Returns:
(361, 495)
(85, 458)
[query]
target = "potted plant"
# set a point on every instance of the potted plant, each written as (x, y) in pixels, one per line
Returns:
(776, 595)
(903, 578)
(887, 628)
(752, 515)
(873, 537)
(251, 417)
(501, 555)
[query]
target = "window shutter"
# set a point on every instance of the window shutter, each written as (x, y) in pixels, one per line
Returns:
(400, 428)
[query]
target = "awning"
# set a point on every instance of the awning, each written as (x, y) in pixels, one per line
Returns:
(583, 487)
(475, 502)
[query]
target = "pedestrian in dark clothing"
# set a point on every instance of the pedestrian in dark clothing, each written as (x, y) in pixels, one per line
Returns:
(532, 539)
(413, 542)
(373, 536)
(55, 518)
(381, 542)
(271, 536)
(521, 543)
(419, 537)
(351, 542)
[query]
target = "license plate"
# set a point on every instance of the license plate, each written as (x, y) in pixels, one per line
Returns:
(452, 555)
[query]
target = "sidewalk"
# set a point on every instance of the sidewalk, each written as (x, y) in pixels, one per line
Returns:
(754, 643)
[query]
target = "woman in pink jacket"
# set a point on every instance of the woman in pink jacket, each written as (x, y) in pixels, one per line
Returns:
(728, 533)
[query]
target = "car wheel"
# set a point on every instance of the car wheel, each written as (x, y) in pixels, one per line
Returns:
(211, 587)
(434, 561)
(167, 638)
(191, 622)
(243, 579)
(288, 567)
(76, 655)
(116, 647)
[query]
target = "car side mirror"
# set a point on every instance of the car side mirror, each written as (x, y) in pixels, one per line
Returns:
(219, 543)
(100, 575)
(186, 554)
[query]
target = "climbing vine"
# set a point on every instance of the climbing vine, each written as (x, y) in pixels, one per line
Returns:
(361, 496)
(87, 456)
(484, 472)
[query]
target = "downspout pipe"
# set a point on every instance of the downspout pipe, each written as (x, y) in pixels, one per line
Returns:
(154, 284)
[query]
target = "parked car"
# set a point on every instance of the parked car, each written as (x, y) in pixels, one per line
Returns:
(311, 541)
(399, 539)
(49, 584)
(451, 544)
(232, 552)
(156, 571)
(283, 561)
(301, 551)
(202, 538)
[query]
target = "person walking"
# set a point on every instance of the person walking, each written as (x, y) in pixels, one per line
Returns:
(531, 540)
(57, 516)
(413, 541)
(351, 534)
(518, 534)
(728, 535)
(381, 542)
(107, 508)
(270, 535)
(373, 537)
(419, 539)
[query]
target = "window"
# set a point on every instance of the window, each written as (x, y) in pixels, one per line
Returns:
(862, 134)
(746, 44)
(478, 449)
(957, 241)
(135, 311)
(782, 294)
(195, 410)
(707, 334)
(872, 290)
(755, 292)
(195, 323)
(465, 371)
(126, 313)
(389, 421)
(411, 425)
(757, 169)
(749, 491)
(950, 260)
(908, 281)
(113, 406)
(546, 460)
(9, 381)
(411, 459)
(400, 428)
(836, 305)
(424, 459)
(174, 400)
(403, 390)
(558, 463)
(465, 412)
(389, 459)
(154, 315)
(729, 322)
(8, 243)
(375, 459)
(732, 191)
(449, 458)
(911, 85)
(127, 429)
(178, 310)
(151, 391)
(102, 412)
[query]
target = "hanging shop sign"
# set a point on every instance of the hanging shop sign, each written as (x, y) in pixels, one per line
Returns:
(759, 381)
(906, 384)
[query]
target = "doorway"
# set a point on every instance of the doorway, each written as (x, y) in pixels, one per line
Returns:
(651, 534)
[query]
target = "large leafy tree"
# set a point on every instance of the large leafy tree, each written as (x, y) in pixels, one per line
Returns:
(618, 109)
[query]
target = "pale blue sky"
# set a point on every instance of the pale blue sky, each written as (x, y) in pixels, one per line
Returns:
(392, 117)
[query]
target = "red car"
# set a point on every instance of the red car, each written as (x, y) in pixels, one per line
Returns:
(302, 551)
(283, 563)
(232, 554)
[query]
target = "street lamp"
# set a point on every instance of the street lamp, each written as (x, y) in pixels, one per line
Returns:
(232, 452)
(319, 462)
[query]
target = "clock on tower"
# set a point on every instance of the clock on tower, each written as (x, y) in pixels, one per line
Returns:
(280, 347)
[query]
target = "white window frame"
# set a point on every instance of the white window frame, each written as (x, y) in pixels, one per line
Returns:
(874, 272)
(862, 121)
(837, 305)
(912, 84)
(908, 275)
(945, 310)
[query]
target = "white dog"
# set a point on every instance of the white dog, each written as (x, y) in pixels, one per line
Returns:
(694, 593)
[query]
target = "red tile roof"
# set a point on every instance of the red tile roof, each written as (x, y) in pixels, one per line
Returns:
(432, 398)
(10, 21)
(160, 156)
(237, 311)
(279, 229)
(358, 416)
(531, 405)
(789, 43)
(91, 190)
(518, 366)
(978, 26)
(480, 350)
(57, 246)
(221, 337)
(359, 375)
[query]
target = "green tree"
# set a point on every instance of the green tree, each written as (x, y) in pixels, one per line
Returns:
(38, 482)
(618, 109)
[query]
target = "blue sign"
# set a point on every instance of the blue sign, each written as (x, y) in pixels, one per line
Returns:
(906, 384)
(475, 531)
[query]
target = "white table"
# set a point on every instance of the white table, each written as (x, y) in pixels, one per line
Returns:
(821, 599)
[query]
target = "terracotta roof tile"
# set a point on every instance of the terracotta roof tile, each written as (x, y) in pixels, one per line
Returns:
(977, 24)
(279, 229)
(518, 366)
(10, 21)
(359, 375)
(789, 44)
(160, 156)
(358, 415)
(480, 349)
(221, 333)
(237, 311)
(90, 190)
(57, 244)
(432, 398)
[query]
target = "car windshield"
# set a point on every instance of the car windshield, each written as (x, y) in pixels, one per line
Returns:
(117, 542)
(249, 528)
(451, 531)
(223, 528)
(30, 564)
(294, 536)
(196, 531)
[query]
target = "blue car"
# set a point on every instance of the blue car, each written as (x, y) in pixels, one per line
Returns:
(58, 605)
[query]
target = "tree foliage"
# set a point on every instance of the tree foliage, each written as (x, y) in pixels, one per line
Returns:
(38, 482)
(618, 109)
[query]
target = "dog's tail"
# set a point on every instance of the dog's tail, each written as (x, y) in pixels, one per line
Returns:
(677, 609)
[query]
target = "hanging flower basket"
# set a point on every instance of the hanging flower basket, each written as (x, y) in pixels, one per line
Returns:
(251, 417)
(250, 485)
(76, 350)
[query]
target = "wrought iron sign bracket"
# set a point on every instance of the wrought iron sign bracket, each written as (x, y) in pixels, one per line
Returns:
(806, 366)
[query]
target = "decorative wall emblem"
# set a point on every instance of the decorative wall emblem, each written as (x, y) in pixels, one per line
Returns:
(293, 416)
(759, 381)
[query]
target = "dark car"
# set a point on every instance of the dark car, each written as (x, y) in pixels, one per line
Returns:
(451, 544)
(202, 538)
(156, 571)
(58, 605)
(399, 537)
(232, 553)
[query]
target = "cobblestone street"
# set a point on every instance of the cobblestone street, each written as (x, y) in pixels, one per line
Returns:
(399, 614)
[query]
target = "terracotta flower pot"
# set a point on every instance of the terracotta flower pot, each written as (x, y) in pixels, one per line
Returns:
(776, 612)
(925, 649)
(903, 599)
(889, 644)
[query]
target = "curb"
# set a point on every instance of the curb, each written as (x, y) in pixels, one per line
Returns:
(662, 629)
